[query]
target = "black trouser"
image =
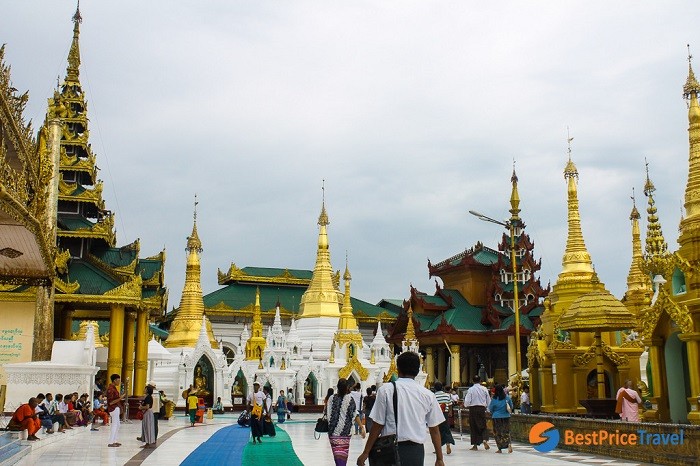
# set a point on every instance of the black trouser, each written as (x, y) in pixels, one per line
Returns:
(156, 416)
(411, 453)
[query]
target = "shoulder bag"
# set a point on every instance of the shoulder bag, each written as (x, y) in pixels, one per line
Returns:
(321, 426)
(385, 451)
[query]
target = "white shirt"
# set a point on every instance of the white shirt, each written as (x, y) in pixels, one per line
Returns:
(357, 396)
(524, 398)
(417, 407)
(477, 395)
(62, 407)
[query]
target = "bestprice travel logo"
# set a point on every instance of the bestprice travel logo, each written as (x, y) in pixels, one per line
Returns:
(544, 437)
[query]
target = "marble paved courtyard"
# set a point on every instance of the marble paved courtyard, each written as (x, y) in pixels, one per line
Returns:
(176, 441)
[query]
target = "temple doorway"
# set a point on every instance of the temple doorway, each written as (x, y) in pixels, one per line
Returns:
(310, 389)
(239, 389)
(677, 377)
(592, 384)
(203, 380)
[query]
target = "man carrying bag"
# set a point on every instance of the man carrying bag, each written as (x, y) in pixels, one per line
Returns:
(416, 407)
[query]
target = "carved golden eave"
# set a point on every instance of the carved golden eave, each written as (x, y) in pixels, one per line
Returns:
(130, 289)
(103, 229)
(678, 313)
(392, 371)
(66, 287)
(67, 192)
(355, 365)
(61, 261)
(617, 359)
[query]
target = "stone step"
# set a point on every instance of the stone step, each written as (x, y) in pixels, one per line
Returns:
(14, 445)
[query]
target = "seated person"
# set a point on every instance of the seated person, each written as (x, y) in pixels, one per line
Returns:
(26, 418)
(85, 408)
(52, 408)
(99, 408)
(72, 402)
(71, 419)
(43, 413)
(218, 407)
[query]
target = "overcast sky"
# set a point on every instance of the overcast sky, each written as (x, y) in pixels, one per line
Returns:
(412, 111)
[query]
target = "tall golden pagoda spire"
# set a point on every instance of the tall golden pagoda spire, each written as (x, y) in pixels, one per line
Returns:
(347, 318)
(656, 249)
(691, 89)
(638, 283)
(576, 262)
(348, 331)
(322, 298)
(255, 345)
(185, 329)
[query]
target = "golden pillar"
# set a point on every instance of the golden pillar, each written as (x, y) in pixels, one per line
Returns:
(141, 365)
(68, 323)
(43, 323)
(441, 373)
(455, 365)
(693, 354)
(128, 361)
(512, 355)
(660, 411)
(116, 340)
(430, 364)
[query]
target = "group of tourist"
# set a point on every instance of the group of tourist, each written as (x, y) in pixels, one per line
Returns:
(67, 411)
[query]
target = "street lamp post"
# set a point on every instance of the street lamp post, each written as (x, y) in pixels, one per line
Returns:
(516, 305)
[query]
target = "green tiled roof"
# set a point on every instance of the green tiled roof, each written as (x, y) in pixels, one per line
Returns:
(240, 295)
(274, 272)
(93, 281)
(149, 267)
(436, 300)
(510, 321)
(486, 257)
(75, 223)
(157, 331)
(116, 257)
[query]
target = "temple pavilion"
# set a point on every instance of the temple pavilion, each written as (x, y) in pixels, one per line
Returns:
(95, 280)
(467, 326)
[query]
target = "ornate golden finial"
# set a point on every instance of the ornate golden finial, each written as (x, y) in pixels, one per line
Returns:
(514, 196)
(634, 215)
(570, 170)
(323, 218)
(193, 242)
(346, 276)
(74, 53)
(691, 87)
(410, 331)
(655, 243)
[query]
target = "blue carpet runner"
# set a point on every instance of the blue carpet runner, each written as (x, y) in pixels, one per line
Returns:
(225, 447)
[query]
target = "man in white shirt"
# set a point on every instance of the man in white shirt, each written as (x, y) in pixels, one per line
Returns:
(416, 406)
(356, 395)
(477, 400)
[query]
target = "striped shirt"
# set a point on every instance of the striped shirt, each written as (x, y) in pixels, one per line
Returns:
(444, 400)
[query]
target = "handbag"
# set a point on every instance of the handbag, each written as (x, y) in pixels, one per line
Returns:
(321, 426)
(385, 451)
(139, 415)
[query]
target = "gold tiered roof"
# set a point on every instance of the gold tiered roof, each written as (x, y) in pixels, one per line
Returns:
(597, 311)
(185, 328)
(92, 271)
(322, 298)
(692, 190)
